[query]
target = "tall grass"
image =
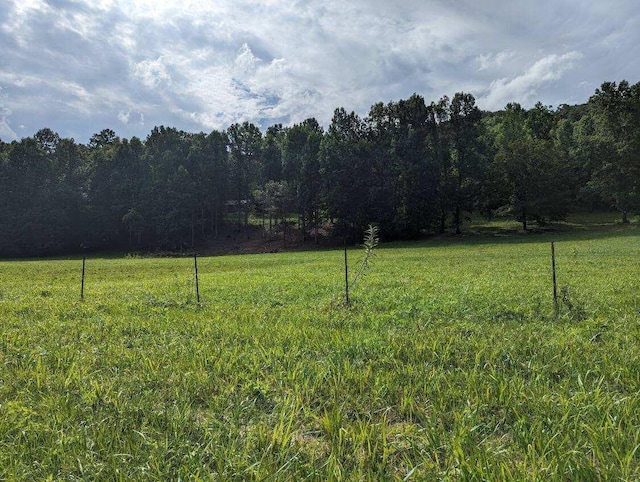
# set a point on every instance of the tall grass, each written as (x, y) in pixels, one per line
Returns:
(449, 365)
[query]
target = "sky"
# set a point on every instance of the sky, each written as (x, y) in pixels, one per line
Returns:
(81, 66)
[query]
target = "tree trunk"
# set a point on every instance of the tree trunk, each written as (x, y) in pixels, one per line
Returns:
(457, 219)
(304, 229)
(193, 229)
(625, 217)
(215, 216)
(284, 232)
(443, 220)
(524, 220)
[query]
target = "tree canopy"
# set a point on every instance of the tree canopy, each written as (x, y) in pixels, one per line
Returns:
(410, 166)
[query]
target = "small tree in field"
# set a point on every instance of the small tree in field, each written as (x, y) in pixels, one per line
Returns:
(370, 242)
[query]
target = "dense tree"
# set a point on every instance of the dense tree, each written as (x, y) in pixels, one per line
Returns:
(47, 140)
(171, 190)
(416, 172)
(529, 169)
(301, 169)
(245, 149)
(346, 173)
(272, 149)
(411, 167)
(26, 184)
(467, 162)
(215, 176)
(616, 174)
(381, 129)
(437, 119)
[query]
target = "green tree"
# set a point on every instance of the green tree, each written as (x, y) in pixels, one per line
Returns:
(27, 216)
(439, 143)
(301, 168)
(105, 213)
(528, 166)
(415, 171)
(616, 173)
(346, 173)
(245, 149)
(466, 164)
(274, 140)
(169, 203)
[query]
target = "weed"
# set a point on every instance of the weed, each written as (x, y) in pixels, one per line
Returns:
(573, 307)
(370, 242)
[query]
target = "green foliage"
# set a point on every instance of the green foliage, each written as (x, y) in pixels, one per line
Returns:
(448, 367)
(616, 139)
(528, 164)
(415, 168)
(370, 242)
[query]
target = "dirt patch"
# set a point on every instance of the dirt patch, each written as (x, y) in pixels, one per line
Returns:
(253, 239)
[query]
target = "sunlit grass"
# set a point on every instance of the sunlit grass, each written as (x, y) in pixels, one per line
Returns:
(450, 365)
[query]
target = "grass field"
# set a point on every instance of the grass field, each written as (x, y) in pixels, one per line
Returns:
(449, 364)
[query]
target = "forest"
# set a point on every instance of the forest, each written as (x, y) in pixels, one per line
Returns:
(410, 167)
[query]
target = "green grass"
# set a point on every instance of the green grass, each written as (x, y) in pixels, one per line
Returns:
(449, 365)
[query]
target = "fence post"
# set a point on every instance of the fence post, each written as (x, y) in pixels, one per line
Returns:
(555, 285)
(195, 265)
(84, 260)
(346, 273)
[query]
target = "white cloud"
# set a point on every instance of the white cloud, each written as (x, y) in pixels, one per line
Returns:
(246, 63)
(81, 66)
(494, 61)
(124, 116)
(6, 133)
(524, 88)
(152, 73)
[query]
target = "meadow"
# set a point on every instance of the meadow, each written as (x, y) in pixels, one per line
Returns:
(449, 364)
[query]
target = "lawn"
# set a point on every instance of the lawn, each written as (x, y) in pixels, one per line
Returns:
(450, 364)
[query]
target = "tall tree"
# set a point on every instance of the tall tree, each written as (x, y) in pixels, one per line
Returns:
(207, 162)
(439, 143)
(416, 171)
(105, 216)
(382, 131)
(245, 149)
(466, 156)
(273, 146)
(26, 210)
(301, 168)
(346, 172)
(616, 177)
(169, 202)
(529, 168)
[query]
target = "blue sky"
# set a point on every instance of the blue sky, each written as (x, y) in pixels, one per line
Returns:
(81, 66)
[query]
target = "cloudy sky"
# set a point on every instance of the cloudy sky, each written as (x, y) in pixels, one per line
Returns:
(79, 66)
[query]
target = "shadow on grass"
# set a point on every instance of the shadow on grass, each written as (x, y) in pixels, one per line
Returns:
(510, 232)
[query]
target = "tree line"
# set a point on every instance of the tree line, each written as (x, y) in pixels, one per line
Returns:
(408, 166)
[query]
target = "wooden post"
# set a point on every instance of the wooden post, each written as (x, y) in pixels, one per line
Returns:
(195, 265)
(555, 285)
(346, 273)
(84, 260)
